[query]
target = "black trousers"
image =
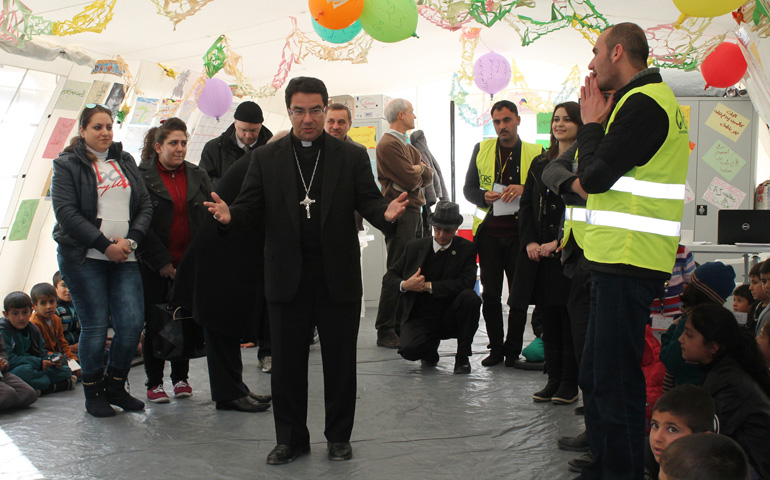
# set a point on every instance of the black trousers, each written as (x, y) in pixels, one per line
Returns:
(578, 305)
(223, 354)
(497, 256)
(422, 332)
(291, 327)
(407, 229)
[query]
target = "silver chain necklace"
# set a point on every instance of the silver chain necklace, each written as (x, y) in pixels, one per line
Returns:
(307, 200)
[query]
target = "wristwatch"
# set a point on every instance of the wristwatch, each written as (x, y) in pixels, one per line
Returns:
(132, 243)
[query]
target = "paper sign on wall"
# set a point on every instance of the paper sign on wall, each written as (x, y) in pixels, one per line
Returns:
(723, 195)
(144, 110)
(729, 123)
(115, 98)
(20, 228)
(97, 93)
(364, 135)
(544, 122)
(724, 160)
(689, 193)
(59, 137)
(72, 95)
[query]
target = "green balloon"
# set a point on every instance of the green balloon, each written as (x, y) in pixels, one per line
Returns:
(389, 21)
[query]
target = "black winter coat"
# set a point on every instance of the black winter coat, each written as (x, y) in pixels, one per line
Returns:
(541, 214)
(222, 152)
(74, 198)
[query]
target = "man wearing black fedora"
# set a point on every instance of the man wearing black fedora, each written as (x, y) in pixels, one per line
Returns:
(435, 277)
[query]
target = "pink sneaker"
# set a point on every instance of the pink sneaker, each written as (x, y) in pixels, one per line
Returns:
(157, 395)
(182, 389)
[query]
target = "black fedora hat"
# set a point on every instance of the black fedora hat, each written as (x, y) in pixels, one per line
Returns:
(447, 215)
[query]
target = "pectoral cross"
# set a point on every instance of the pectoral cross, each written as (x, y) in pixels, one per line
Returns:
(306, 202)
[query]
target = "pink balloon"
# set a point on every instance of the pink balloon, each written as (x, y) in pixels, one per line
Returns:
(216, 98)
(491, 73)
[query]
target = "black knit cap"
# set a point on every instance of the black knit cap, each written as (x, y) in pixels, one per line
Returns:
(249, 112)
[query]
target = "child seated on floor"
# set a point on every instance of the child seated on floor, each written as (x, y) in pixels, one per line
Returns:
(27, 356)
(14, 392)
(704, 457)
(683, 410)
(711, 283)
(50, 325)
(736, 377)
(65, 309)
(760, 298)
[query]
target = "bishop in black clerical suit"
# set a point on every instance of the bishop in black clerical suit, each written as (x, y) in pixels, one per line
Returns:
(435, 276)
(305, 188)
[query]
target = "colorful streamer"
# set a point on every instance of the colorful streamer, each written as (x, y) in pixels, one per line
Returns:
(178, 10)
(18, 24)
(93, 18)
(488, 12)
(440, 15)
(215, 57)
(581, 15)
(683, 47)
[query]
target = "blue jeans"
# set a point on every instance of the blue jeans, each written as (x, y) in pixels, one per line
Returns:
(611, 377)
(102, 290)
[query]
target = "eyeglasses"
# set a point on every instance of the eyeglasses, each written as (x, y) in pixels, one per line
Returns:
(93, 105)
(301, 112)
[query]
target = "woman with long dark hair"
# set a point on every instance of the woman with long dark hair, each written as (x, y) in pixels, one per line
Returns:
(102, 213)
(177, 190)
(539, 277)
(736, 377)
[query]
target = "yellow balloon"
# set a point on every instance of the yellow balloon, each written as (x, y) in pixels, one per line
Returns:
(706, 8)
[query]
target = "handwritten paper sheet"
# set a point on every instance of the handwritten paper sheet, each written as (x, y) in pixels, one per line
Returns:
(689, 193)
(723, 195)
(72, 95)
(724, 160)
(59, 137)
(23, 221)
(727, 122)
(544, 122)
(97, 93)
(364, 135)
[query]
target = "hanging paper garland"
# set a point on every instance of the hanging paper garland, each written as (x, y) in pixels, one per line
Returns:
(93, 18)
(17, 23)
(337, 36)
(389, 21)
(336, 14)
(488, 13)
(178, 10)
(214, 59)
(581, 15)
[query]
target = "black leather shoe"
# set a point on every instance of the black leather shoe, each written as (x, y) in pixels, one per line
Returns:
(261, 398)
(283, 454)
(431, 360)
(388, 340)
(493, 359)
(243, 404)
(575, 444)
(581, 462)
(339, 451)
(462, 365)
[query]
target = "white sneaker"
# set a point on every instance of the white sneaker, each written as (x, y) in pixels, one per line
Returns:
(266, 364)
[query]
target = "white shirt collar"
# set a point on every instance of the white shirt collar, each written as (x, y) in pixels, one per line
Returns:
(437, 247)
(243, 145)
(401, 136)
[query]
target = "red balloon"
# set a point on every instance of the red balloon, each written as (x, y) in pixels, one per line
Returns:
(724, 67)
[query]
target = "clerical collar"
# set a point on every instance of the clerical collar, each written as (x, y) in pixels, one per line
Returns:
(318, 142)
(437, 246)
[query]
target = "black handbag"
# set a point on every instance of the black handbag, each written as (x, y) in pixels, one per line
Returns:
(175, 335)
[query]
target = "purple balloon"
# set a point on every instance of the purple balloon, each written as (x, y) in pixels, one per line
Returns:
(491, 73)
(216, 98)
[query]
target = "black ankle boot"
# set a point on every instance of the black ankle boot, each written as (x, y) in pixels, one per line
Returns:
(96, 400)
(115, 387)
(546, 394)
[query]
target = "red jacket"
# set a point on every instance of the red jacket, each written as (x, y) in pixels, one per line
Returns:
(653, 368)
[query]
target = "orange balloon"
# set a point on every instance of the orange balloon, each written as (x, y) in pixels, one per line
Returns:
(336, 14)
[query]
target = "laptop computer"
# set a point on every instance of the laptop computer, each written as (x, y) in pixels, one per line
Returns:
(743, 226)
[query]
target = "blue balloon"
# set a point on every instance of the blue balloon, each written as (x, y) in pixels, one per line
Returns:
(337, 36)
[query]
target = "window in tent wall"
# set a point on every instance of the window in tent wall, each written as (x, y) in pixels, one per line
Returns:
(24, 96)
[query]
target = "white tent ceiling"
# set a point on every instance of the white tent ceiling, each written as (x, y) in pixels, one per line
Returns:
(257, 30)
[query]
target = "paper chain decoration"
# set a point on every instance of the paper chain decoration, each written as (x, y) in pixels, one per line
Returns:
(681, 47)
(18, 24)
(94, 18)
(178, 10)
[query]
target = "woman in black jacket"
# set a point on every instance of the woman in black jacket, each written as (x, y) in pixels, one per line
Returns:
(177, 190)
(736, 377)
(539, 278)
(102, 213)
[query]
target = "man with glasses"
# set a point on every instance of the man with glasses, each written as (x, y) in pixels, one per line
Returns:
(435, 278)
(304, 189)
(400, 169)
(245, 134)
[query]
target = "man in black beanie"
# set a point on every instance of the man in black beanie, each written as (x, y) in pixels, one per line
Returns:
(245, 134)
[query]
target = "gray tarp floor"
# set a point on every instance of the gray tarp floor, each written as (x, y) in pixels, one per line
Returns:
(411, 423)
